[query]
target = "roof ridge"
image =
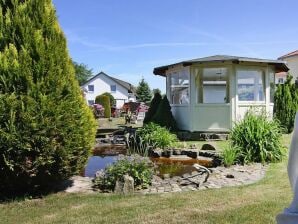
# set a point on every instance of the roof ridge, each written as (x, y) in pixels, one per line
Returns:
(289, 54)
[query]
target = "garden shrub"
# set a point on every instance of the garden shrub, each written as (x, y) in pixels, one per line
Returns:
(153, 108)
(105, 102)
(139, 168)
(112, 99)
(258, 138)
(156, 136)
(46, 128)
(164, 116)
(286, 104)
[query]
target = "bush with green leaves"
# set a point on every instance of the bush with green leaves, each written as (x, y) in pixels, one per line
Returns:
(286, 104)
(156, 136)
(139, 168)
(230, 155)
(258, 138)
(105, 102)
(46, 129)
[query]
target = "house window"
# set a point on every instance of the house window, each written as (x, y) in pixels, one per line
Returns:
(179, 87)
(250, 85)
(90, 102)
(280, 81)
(90, 88)
(272, 86)
(213, 86)
(113, 88)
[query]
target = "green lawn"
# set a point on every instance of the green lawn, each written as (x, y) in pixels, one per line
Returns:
(257, 203)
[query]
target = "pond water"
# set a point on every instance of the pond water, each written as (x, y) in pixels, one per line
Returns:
(96, 163)
(162, 165)
(105, 154)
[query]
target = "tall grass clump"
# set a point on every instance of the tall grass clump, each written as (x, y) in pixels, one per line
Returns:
(156, 136)
(150, 136)
(258, 138)
(230, 155)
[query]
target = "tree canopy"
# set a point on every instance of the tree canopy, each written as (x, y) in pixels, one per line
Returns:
(83, 73)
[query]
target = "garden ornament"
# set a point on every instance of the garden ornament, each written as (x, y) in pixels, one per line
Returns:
(290, 214)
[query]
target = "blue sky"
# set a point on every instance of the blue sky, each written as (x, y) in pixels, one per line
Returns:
(127, 39)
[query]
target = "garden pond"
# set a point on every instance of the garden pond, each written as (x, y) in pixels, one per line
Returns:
(105, 154)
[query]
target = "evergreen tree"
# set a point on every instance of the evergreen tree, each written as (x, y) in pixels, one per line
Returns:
(143, 91)
(286, 104)
(164, 116)
(153, 108)
(157, 90)
(46, 128)
(112, 99)
(105, 102)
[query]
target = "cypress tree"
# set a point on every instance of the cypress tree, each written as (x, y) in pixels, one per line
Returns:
(286, 104)
(112, 99)
(46, 128)
(153, 108)
(164, 116)
(105, 102)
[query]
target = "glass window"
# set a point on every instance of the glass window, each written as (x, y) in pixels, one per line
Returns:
(90, 88)
(213, 86)
(90, 102)
(179, 87)
(272, 86)
(113, 88)
(250, 85)
(280, 80)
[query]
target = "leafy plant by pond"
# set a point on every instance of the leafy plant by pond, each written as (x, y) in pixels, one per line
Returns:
(150, 136)
(157, 136)
(230, 155)
(139, 168)
(258, 138)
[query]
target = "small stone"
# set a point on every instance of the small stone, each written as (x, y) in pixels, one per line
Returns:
(208, 147)
(230, 176)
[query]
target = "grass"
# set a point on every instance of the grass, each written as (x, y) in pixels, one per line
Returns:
(256, 203)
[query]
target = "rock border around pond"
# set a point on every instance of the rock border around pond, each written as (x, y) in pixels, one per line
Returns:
(236, 175)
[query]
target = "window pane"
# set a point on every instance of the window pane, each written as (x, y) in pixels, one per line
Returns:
(214, 85)
(113, 88)
(179, 87)
(250, 85)
(91, 88)
(90, 102)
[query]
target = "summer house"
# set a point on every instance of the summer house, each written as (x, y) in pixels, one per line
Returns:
(209, 94)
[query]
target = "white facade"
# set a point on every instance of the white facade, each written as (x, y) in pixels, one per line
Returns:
(103, 83)
(212, 96)
(292, 63)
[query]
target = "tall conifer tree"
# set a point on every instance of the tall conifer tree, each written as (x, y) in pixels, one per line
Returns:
(46, 129)
(143, 92)
(286, 104)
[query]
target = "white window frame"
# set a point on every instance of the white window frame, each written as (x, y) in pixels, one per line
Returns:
(253, 68)
(169, 78)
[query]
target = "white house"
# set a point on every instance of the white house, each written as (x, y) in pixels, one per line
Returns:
(209, 94)
(291, 60)
(122, 91)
